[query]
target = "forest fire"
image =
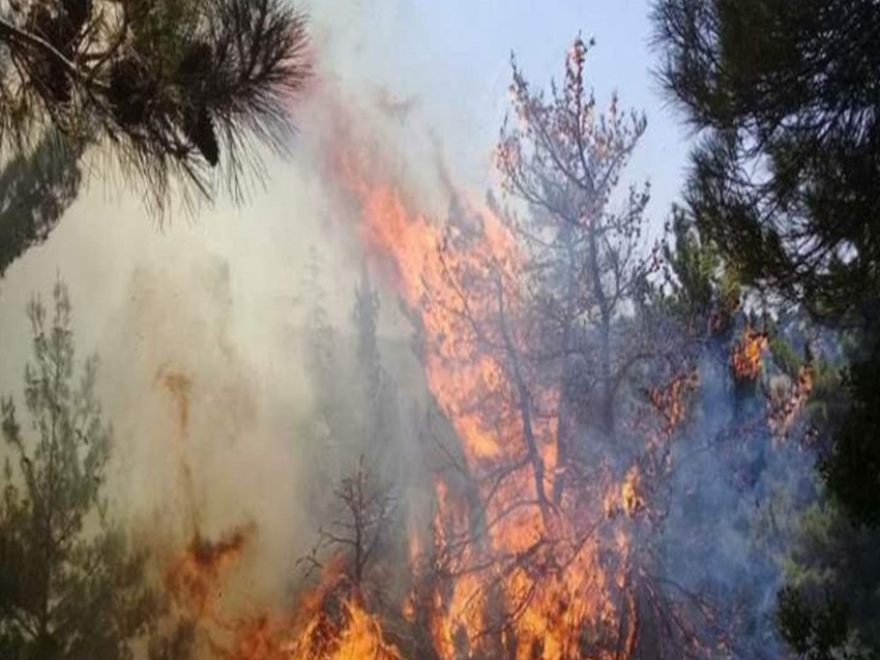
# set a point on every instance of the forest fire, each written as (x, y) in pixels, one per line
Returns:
(338, 627)
(785, 407)
(330, 624)
(537, 544)
(671, 401)
(439, 399)
(537, 547)
(521, 569)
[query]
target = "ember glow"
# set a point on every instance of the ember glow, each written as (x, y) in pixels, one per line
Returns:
(195, 579)
(748, 354)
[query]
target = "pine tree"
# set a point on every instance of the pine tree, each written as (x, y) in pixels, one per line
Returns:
(784, 179)
(562, 162)
(170, 88)
(35, 191)
(319, 340)
(379, 420)
(324, 428)
(70, 586)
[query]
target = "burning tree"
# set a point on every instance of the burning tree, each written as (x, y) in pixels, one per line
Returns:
(536, 350)
(560, 313)
(563, 159)
(551, 356)
(742, 464)
(360, 530)
(574, 386)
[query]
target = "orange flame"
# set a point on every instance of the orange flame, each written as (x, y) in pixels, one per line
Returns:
(331, 623)
(193, 580)
(785, 407)
(671, 400)
(747, 354)
(518, 569)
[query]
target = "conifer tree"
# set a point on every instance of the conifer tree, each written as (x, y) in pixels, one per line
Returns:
(70, 584)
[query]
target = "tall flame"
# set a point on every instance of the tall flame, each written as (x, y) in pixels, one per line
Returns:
(512, 567)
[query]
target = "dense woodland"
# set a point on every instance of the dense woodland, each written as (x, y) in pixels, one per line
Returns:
(588, 446)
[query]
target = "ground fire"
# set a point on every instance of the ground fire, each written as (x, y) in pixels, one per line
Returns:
(329, 623)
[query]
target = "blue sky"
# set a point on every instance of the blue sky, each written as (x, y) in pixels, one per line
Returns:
(453, 56)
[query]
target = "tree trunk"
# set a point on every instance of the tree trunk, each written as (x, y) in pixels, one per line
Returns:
(566, 415)
(606, 404)
(525, 409)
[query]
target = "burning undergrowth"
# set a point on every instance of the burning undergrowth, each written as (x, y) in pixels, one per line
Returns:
(212, 614)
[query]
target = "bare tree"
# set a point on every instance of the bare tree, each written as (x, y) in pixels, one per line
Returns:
(365, 509)
(563, 159)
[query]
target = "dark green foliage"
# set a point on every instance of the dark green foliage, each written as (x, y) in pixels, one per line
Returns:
(697, 287)
(690, 270)
(784, 179)
(227, 74)
(199, 130)
(71, 586)
(784, 356)
(131, 88)
(812, 630)
(852, 468)
(173, 88)
(832, 596)
(35, 191)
